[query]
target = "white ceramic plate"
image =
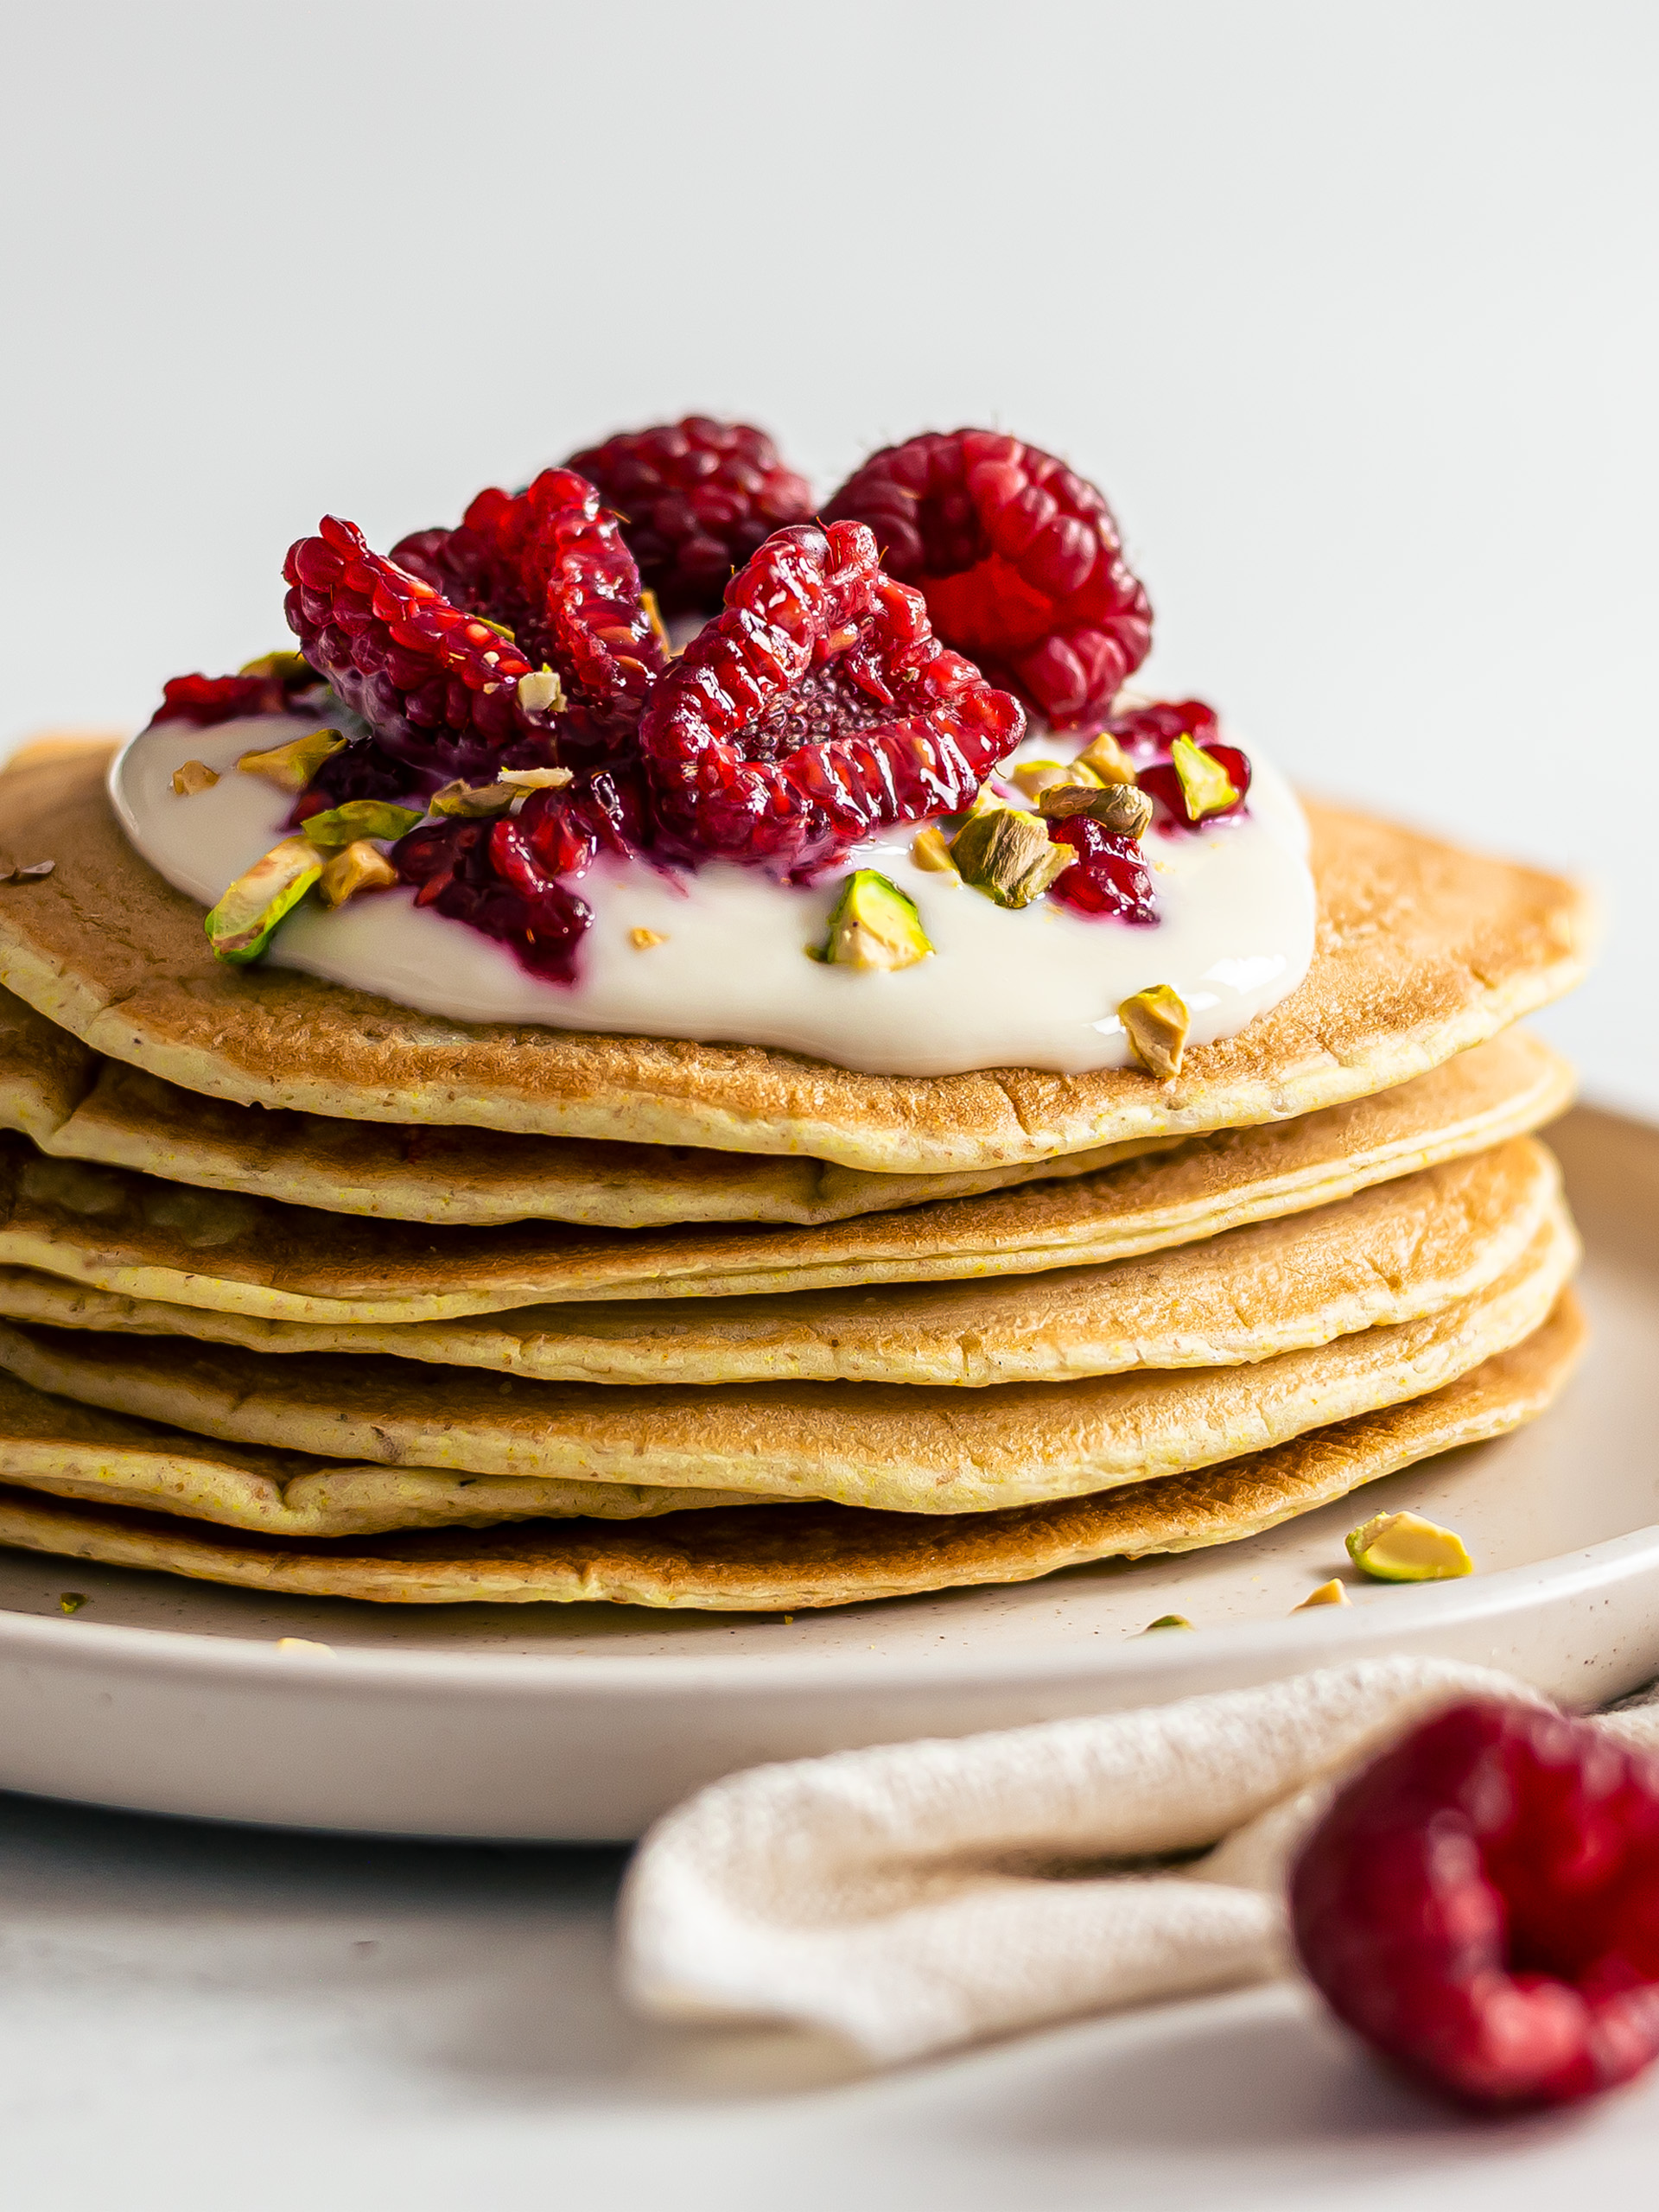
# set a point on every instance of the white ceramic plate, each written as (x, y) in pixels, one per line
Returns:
(584, 1722)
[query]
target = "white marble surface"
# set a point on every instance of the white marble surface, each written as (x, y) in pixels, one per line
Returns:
(192, 2019)
(1352, 311)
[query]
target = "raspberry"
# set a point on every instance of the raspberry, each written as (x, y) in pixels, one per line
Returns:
(817, 708)
(433, 676)
(361, 770)
(550, 565)
(506, 877)
(261, 689)
(1481, 1903)
(1147, 735)
(697, 499)
(1018, 560)
(1107, 877)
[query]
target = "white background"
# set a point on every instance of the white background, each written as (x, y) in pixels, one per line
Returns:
(1351, 308)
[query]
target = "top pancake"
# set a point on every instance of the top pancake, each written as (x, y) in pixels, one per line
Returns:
(77, 1106)
(1422, 950)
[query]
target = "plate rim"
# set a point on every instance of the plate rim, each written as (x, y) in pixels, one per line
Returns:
(355, 1668)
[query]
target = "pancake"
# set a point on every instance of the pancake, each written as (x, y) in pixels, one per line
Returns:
(142, 1238)
(78, 1451)
(901, 1448)
(1422, 951)
(45, 1073)
(454, 1177)
(76, 1106)
(768, 1557)
(1395, 1252)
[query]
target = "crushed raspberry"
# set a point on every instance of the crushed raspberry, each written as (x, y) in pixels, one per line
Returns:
(361, 770)
(508, 877)
(1109, 876)
(206, 701)
(697, 499)
(816, 708)
(430, 673)
(1018, 560)
(1481, 1904)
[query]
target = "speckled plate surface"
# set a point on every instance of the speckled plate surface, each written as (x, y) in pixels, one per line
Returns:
(586, 1721)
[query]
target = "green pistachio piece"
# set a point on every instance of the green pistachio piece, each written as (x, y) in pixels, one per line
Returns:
(1008, 856)
(361, 867)
(239, 927)
(1120, 808)
(293, 668)
(929, 850)
(1404, 1548)
(1106, 758)
(359, 817)
(1206, 784)
(873, 925)
(293, 764)
(1328, 1594)
(1035, 777)
(1156, 1021)
(1167, 1620)
(541, 692)
(474, 801)
(538, 779)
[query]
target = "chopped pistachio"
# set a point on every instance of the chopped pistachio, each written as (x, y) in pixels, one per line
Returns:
(537, 779)
(1122, 808)
(361, 867)
(241, 926)
(1167, 1620)
(195, 776)
(1328, 1594)
(1404, 1548)
(873, 925)
(359, 817)
(499, 628)
(929, 849)
(642, 940)
(985, 801)
(1156, 1021)
(474, 801)
(541, 692)
(293, 764)
(293, 668)
(1206, 784)
(71, 1601)
(1035, 777)
(1008, 856)
(1105, 757)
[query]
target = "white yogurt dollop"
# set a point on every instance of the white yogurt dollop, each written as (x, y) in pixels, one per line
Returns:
(1038, 987)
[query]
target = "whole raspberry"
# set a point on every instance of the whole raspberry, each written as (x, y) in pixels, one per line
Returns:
(696, 498)
(1018, 560)
(1481, 1903)
(437, 669)
(817, 708)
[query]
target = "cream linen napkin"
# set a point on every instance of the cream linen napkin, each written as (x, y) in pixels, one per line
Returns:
(918, 1896)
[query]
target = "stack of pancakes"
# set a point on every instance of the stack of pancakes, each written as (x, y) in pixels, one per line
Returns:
(304, 1291)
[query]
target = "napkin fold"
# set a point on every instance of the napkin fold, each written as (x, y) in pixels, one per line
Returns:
(917, 1896)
